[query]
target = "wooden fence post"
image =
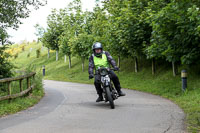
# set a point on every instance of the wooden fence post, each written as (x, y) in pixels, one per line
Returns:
(9, 88)
(34, 77)
(28, 84)
(20, 85)
(33, 81)
(9, 91)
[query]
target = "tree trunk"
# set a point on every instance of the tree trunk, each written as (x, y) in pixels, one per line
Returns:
(69, 61)
(2, 40)
(65, 58)
(174, 68)
(56, 55)
(83, 64)
(48, 53)
(118, 64)
(136, 64)
(153, 66)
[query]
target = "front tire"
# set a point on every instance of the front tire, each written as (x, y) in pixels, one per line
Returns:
(109, 97)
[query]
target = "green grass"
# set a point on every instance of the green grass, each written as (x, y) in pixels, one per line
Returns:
(162, 83)
(21, 103)
(24, 102)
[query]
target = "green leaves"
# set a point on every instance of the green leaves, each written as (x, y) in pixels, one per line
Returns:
(176, 29)
(11, 14)
(55, 29)
(5, 65)
(12, 11)
(82, 45)
(157, 29)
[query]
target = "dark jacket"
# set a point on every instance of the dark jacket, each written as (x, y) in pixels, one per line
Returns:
(91, 62)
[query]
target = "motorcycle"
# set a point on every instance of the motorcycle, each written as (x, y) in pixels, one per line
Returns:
(109, 92)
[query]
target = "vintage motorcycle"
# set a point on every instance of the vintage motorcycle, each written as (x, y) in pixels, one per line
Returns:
(109, 92)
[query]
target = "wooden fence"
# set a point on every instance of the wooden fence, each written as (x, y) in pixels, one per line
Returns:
(20, 79)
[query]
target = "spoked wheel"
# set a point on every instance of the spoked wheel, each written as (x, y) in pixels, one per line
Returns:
(110, 99)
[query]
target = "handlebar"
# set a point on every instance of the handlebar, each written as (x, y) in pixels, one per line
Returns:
(113, 69)
(109, 69)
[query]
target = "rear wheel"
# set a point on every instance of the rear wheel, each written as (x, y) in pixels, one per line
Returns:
(109, 97)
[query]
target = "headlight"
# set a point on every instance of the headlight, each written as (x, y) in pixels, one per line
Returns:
(107, 78)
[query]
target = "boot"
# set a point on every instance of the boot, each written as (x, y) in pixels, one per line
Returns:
(120, 93)
(100, 98)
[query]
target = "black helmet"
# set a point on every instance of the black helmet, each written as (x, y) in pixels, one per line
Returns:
(97, 45)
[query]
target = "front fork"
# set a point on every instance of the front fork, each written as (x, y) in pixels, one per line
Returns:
(113, 92)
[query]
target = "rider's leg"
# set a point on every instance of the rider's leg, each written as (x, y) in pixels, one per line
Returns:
(116, 82)
(97, 85)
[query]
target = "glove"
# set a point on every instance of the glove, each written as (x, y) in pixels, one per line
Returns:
(91, 76)
(116, 68)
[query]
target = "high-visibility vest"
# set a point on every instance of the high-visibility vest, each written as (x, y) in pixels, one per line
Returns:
(101, 62)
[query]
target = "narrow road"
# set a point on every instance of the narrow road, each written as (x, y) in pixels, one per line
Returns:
(71, 108)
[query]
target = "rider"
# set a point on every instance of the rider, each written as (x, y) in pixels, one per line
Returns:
(101, 58)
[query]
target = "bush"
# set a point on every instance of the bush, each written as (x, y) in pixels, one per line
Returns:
(38, 51)
(37, 79)
(23, 48)
(5, 65)
(28, 55)
(16, 55)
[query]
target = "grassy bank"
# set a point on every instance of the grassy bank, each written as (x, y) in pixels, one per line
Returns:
(20, 103)
(162, 83)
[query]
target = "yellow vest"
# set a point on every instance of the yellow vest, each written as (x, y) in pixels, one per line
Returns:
(101, 62)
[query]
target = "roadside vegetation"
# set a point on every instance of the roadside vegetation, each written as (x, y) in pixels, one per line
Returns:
(26, 101)
(12, 13)
(13, 106)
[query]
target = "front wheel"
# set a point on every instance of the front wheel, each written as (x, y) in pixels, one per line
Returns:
(109, 97)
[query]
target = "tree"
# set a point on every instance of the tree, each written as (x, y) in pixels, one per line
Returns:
(130, 30)
(64, 46)
(147, 16)
(76, 17)
(45, 41)
(81, 45)
(11, 14)
(4, 37)
(54, 30)
(13, 11)
(113, 27)
(176, 33)
(39, 31)
(73, 26)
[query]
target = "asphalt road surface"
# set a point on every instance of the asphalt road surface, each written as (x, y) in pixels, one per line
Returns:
(71, 108)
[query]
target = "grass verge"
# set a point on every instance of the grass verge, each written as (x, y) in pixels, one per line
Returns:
(21, 103)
